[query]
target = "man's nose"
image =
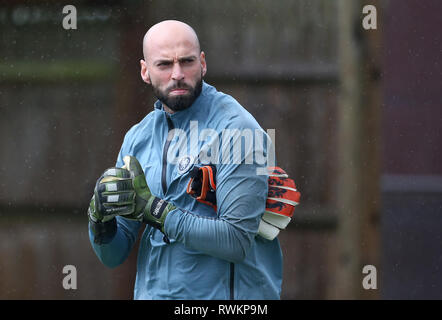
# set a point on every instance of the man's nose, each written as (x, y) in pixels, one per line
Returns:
(177, 73)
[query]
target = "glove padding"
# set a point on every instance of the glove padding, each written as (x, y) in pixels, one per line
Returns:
(281, 201)
(147, 208)
(113, 196)
(124, 192)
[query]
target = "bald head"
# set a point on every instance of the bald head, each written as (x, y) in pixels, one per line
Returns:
(173, 64)
(169, 35)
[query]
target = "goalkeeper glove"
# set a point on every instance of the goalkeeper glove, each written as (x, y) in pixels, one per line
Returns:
(282, 198)
(106, 193)
(149, 209)
(124, 192)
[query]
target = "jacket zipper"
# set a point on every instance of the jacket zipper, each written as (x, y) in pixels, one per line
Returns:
(232, 281)
(166, 148)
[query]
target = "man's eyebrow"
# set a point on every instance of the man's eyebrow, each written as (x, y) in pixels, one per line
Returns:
(165, 60)
(162, 61)
(187, 57)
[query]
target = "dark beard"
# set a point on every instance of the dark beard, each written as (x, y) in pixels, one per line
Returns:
(180, 102)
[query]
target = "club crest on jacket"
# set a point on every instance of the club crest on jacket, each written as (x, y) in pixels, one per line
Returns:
(185, 163)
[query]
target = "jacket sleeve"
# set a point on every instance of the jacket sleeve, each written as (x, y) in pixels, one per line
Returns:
(116, 251)
(241, 195)
(120, 236)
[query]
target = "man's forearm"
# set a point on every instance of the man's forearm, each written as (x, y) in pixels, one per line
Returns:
(215, 237)
(114, 251)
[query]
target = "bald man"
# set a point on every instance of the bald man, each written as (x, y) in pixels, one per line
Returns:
(188, 250)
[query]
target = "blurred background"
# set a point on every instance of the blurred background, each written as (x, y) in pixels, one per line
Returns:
(357, 115)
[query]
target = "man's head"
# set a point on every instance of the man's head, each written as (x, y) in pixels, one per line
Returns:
(173, 64)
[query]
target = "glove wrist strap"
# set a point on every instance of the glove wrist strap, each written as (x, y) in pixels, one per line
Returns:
(156, 211)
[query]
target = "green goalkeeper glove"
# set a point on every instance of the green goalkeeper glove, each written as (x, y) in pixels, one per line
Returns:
(124, 192)
(101, 215)
(105, 193)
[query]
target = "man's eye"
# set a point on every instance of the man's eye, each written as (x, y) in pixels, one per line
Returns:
(163, 64)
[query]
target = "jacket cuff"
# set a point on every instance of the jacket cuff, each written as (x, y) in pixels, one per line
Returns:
(103, 232)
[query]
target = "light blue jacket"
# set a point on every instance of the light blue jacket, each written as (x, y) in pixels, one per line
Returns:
(211, 255)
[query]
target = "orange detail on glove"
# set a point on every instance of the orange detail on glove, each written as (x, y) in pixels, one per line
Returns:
(282, 196)
(202, 185)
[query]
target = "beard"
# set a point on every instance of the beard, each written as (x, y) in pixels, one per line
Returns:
(180, 102)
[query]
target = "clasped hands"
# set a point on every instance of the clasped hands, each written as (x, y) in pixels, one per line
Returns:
(124, 192)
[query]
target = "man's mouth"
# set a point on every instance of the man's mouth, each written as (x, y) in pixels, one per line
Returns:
(178, 91)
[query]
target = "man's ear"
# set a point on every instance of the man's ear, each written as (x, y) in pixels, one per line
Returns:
(203, 63)
(144, 72)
